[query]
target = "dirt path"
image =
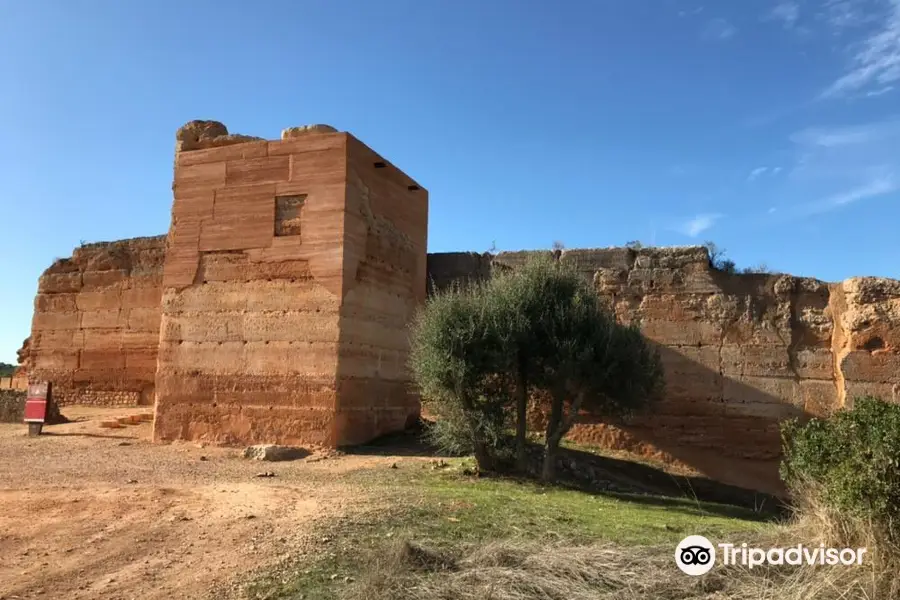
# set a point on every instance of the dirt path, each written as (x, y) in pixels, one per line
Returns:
(95, 513)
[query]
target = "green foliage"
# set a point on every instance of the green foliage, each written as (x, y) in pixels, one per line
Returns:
(7, 370)
(453, 432)
(634, 245)
(852, 459)
(477, 354)
(454, 355)
(585, 359)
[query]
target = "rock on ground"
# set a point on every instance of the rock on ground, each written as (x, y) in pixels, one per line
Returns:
(272, 452)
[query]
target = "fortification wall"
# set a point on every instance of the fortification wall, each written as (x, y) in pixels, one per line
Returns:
(283, 278)
(95, 329)
(276, 310)
(385, 238)
(249, 335)
(741, 352)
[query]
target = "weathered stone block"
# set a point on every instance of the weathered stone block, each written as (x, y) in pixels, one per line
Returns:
(59, 283)
(102, 319)
(202, 175)
(767, 397)
(251, 149)
(98, 300)
(103, 279)
(142, 297)
(814, 363)
(876, 367)
(756, 361)
(820, 398)
(56, 321)
(257, 170)
(54, 302)
(684, 333)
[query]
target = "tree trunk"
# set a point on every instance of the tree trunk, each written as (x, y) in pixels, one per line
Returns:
(558, 426)
(521, 418)
(484, 458)
(553, 436)
(484, 455)
(548, 473)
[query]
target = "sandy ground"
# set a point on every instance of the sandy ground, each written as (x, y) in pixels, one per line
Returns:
(96, 513)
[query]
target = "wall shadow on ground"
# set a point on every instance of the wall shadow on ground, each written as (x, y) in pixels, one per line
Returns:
(591, 473)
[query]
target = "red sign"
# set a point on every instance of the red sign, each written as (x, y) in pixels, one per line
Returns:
(36, 402)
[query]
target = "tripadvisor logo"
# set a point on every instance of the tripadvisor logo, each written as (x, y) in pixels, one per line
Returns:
(696, 555)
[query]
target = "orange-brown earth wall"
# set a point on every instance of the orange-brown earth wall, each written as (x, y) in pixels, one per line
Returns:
(276, 310)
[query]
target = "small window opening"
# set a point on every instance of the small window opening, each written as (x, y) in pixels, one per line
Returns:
(287, 214)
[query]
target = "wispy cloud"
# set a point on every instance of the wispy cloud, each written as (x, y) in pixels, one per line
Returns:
(756, 173)
(880, 92)
(842, 15)
(786, 12)
(876, 187)
(760, 171)
(698, 224)
(719, 30)
(694, 11)
(837, 167)
(876, 62)
(847, 136)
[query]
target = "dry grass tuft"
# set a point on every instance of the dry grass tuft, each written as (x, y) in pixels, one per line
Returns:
(529, 571)
(814, 520)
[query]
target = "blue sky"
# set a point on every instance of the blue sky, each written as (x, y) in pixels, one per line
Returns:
(771, 127)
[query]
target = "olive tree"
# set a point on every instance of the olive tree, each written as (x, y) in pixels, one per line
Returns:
(555, 336)
(479, 353)
(453, 358)
(519, 303)
(596, 364)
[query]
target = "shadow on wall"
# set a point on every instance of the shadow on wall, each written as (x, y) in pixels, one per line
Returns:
(741, 353)
(709, 422)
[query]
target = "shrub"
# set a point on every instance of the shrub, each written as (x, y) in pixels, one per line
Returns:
(849, 462)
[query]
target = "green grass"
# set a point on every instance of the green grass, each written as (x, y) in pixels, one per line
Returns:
(446, 510)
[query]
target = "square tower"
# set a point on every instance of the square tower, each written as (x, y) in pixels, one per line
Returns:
(292, 271)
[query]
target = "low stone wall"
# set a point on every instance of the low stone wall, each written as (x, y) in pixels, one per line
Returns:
(12, 408)
(13, 383)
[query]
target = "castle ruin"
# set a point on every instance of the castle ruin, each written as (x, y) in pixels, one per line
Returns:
(276, 310)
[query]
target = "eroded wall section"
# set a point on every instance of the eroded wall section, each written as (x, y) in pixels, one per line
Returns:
(741, 352)
(384, 282)
(95, 329)
(252, 288)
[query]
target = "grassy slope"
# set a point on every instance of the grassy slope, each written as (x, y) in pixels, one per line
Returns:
(442, 508)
